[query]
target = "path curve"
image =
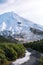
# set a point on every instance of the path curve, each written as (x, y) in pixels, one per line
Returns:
(33, 58)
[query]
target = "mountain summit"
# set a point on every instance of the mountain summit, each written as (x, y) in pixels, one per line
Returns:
(19, 28)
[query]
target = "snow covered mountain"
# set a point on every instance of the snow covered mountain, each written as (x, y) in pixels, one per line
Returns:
(17, 27)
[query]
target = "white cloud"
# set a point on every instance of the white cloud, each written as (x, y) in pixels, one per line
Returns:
(29, 9)
(3, 26)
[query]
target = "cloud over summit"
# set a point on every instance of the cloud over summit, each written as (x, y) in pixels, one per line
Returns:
(29, 9)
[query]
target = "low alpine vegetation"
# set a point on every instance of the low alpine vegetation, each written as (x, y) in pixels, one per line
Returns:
(36, 45)
(10, 52)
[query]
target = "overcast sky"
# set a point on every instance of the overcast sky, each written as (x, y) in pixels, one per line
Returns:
(29, 9)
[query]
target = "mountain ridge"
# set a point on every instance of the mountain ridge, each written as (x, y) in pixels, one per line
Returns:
(15, 26)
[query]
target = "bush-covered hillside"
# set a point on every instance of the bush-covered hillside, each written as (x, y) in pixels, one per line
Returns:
(36, 45)
(10, 52)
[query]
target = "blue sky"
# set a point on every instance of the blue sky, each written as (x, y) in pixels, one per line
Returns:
(2, 1)
(29, 9)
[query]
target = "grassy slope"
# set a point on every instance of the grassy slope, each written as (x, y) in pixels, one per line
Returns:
(10, 52)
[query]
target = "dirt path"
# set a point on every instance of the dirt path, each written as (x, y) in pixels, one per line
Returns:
(33, 58)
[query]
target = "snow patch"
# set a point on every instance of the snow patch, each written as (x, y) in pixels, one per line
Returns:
(3, 26)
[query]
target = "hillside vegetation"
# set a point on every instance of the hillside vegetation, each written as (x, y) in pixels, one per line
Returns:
(10, 52)
(36, 45)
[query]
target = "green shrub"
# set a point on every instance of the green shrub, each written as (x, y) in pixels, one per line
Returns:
(1, 51)
(22, 48)
(10, 53)
(19, 49)
(2, 58)
(41, 61)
